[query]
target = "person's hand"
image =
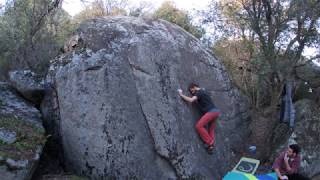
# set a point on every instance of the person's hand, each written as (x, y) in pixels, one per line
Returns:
(286, 158)
(284, 177)
(180, 91)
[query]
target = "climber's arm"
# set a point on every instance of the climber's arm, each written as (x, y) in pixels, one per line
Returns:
(186, 98)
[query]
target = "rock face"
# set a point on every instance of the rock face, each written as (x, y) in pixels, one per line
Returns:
(120, 114)
(28, 84)
(310, 73)
(306, 134)
(310, 78)
(21, 136)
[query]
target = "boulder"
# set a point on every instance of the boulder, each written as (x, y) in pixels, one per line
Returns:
(119, 113)
(306, 135)
(309, 73)
(21, 136)
(28, 84)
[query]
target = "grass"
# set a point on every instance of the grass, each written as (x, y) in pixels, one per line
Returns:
(2, 142)
(7, 155)
(28, 138)
(2, 154)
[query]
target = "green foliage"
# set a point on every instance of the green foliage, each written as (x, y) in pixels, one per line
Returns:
(168, 11)
(23, 146)
(279, 31)
(11, 33)
(31, 32)
(2, 154)
(5, 155)
(100, 8)
(96, 9)
(2, 142)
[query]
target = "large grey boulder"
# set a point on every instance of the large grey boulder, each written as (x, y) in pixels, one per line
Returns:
(21, 136)
(306, 134)
(27, 83)
(120, 114)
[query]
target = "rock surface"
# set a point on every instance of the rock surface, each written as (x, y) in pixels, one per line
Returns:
(310, 73)
(19, 154)
(28, 84)
(120, 114)
(6, 136)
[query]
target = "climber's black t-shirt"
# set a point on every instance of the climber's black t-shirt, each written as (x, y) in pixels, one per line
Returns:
(204, 102)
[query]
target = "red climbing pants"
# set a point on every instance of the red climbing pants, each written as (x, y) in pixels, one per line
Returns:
(209, 117)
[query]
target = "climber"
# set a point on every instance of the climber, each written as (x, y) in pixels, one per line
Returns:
(288, 162)
(210, 113)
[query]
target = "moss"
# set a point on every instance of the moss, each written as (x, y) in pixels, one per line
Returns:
(6, 155)
(39, 130)
(28, 137)
(2, 158)
(3, 154)
(2, 142)
(23, 146)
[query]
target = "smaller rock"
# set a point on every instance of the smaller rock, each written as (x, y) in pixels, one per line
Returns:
(14, 165)
(72, 43)
(19, 117)
(7, 137)
(28, 84)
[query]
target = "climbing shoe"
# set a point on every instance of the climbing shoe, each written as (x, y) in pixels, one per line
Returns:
(210, 149)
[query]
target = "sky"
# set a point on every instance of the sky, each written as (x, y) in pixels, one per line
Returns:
(75, 6)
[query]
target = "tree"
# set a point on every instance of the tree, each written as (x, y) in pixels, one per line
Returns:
(100, 8)
(144, 8)
(236, 55)
(168, 11)
(95, 9)
(24, 29)
(115, 7)
(281, 28)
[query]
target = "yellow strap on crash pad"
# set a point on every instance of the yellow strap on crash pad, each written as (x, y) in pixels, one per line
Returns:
(250, 176)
